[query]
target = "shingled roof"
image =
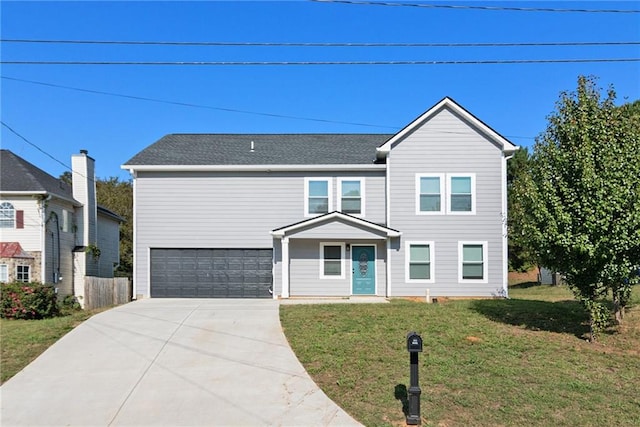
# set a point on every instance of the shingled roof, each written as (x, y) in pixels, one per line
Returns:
(16, 174)
(268, 149)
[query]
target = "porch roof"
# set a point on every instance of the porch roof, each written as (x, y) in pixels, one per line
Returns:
(335, 217)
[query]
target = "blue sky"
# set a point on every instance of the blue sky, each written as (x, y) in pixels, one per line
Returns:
(514, 99)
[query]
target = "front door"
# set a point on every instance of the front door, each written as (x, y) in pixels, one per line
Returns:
(363, 275)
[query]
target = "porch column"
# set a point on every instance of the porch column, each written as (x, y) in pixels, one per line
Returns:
(285, 267)
(388, 268)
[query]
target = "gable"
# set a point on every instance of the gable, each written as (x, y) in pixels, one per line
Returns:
(465, 123)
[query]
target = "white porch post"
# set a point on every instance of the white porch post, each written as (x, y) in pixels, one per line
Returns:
(388, 267)
(285, 267)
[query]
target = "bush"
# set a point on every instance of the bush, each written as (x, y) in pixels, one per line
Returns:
(28, 301)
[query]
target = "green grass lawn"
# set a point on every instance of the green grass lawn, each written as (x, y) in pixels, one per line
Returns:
(522, 361)
(21, 341)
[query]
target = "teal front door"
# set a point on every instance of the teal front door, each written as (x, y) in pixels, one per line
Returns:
(363, 275)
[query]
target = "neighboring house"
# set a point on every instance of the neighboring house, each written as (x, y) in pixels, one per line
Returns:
(46, 226)
(422, 212)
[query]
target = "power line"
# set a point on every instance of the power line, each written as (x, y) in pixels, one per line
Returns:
(486, 8)
(34, 145)
(262, 63)
(186, 104)
(312, 44)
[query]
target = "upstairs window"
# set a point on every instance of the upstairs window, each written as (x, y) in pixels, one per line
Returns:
(4, 273)
(351, 196)
(461, 194)
(7, 215)
(318, 196)
(429, 194)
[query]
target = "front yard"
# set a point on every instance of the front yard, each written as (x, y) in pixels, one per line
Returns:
(522, 361)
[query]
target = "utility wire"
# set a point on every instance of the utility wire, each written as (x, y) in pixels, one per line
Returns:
(312, 44)
(262, 63)
(470, 7)
(186, 104)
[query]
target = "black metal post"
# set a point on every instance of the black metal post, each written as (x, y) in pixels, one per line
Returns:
(413, 417)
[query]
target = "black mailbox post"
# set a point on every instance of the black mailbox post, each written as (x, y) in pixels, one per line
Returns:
(414, 346)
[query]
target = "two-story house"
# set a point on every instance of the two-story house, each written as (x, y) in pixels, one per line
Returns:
(46, 226)
(421, 212)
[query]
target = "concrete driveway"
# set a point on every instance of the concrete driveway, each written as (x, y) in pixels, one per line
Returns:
(171, 362)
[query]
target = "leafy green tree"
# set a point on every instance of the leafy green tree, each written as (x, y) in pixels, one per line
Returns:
(520, 258)
(580, 199)
(117, 196)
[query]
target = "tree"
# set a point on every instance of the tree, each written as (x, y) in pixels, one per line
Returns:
(520, 258)
(580, 199)
(117, 196)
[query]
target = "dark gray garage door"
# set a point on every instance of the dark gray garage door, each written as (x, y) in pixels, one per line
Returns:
(211, 273)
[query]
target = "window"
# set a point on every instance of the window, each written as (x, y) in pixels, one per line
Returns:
(473, 261)
(66, 221)
(7, 215)
(22, 273)
(351, 196)
(4, 273)
(461, 194)
(419, 262)
(332, 260)
(429, 189)
(318, 196)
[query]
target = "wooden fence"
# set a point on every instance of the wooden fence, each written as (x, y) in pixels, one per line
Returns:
(106, 292)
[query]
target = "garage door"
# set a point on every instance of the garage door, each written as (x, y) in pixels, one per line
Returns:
(211, 273)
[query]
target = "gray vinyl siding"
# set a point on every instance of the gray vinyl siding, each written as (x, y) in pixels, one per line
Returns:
(446, 144)
(305, 264)
(227, 209)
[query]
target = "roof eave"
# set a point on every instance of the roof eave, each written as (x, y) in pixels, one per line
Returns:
(248, 168)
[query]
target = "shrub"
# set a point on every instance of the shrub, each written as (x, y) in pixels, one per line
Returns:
(28, 301)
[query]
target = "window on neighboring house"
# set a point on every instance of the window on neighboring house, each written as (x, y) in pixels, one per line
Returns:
(7, 215)
(461, 194)
(318, 195)
(66, 221)
(351, 196)
(419, 262)
(4, 273)
(332, 259)
(473, 263)
(429, 193)
(22, 273)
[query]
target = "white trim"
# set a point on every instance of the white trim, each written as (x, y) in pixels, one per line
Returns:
(443, 195)
(329, 181)
(375, 266)
(485, 261)
(389, 232)
(361, 180)
(148, 272)
(239, 168)
(321, 274)
(407, 261)
(505, 230)
(285, 269)
(387, 201)
(5, 268)
(388, 272)
(507, 146)
(473, 193)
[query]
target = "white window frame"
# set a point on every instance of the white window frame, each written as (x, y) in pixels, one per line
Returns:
(66, 221)
(442, 193)
(4, 273)
(329, 181)
(472, 176)
(407, 263)
(8, 207)
(342, 260)
(22, 274)
(485, 261)
(362, 193)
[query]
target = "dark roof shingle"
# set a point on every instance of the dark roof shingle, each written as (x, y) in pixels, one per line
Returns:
(269, 149)
(16, 174)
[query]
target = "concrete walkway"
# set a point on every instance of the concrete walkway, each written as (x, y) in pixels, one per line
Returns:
(171, 362)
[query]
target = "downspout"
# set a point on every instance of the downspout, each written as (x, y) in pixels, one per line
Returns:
(55, 241)
(505, 230)
(388, 222)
